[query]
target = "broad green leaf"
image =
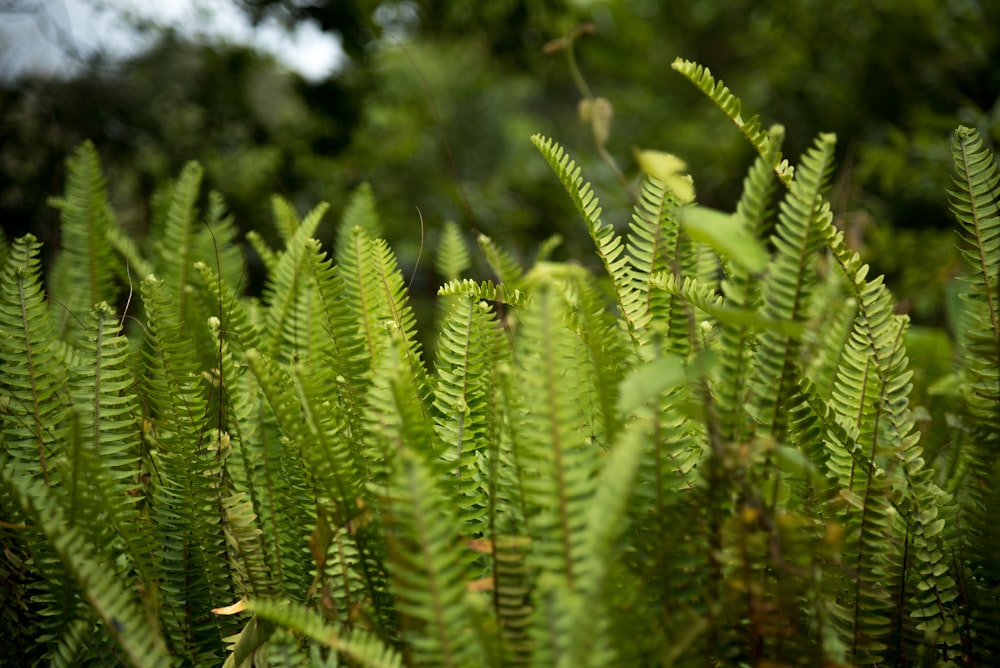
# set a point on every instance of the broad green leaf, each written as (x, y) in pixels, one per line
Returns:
(727, 234)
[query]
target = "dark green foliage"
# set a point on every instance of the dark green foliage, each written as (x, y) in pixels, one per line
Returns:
(682, 461)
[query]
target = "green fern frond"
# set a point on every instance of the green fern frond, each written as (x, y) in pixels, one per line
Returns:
(548, 246)
(82, 272)
(606, 522)
(427, 567)
(401, 317)
(299, 406)
(653, 238)
(741, 291)
(186, 496)
(32, 385)
(501, 263)
(785, 291)
(609, 245)
(285, 333)
(133, 265)
(348, 361)
(286, 219)
(359, 212)
(217, 242)
(691, 291)
(465, 405)
(92, 571)
(731, 106)
(976, 203)
(484, 291)
(175, 250)
(557, 460)
(377, 295)
(106, 457)
(452, 258)
(603, 354)
(268, 256)
(357, 646)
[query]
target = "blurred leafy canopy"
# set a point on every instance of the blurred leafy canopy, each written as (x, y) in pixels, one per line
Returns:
(437, 96)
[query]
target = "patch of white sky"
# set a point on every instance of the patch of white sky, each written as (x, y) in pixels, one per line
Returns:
(55, 37)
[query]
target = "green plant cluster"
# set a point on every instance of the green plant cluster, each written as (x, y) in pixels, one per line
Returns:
(706, 454)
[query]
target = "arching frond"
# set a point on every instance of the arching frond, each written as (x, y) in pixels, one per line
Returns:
(92, 571)
(609, 245)
(731, 106)
(358, 646)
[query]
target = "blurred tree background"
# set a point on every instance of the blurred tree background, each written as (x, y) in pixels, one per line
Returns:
(436, 99)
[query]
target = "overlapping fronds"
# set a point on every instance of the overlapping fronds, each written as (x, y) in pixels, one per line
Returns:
(467, 406)
(484, 291)
(186, 495)
(653, 245)
(426, 563)
(699, 457)
(286, 287)
(741, 291)
(93, 572)
(975, 201)
(358, 646)
(175, 249)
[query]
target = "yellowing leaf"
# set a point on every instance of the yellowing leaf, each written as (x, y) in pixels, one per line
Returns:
(668, 169)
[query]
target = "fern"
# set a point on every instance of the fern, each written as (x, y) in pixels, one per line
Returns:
(284, 290)
(789, 277)
(731, 106)
(93, 572)
(501, 263)
(452, 258)
(176, 249)
(465, 405)
(485, 291)
(82, 274)
(609, 245)
(186, 497)
(358, 646)
(428, 578)
(33, 391)
(695, 457)
(975, 201)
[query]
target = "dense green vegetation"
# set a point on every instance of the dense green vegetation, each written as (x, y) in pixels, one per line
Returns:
(437, 97)
(460, 413)
(712, 450)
